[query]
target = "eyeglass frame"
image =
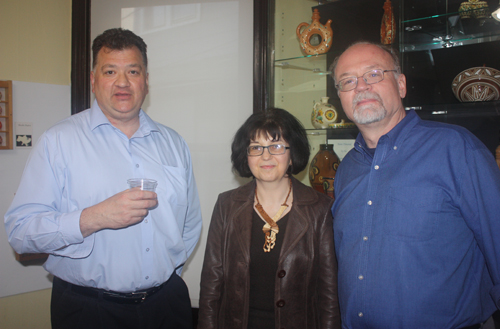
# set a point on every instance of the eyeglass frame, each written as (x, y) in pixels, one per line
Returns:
(362, 76)
(268, 150)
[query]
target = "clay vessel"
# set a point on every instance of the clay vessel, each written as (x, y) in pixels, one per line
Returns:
(310, 30)
(323, 168)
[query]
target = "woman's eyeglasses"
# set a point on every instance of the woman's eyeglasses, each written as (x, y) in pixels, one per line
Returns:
(275, 149)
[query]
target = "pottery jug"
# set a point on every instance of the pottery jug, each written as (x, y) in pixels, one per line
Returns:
(388, 26)
(323, 168)
(323, 114)
(315, 28)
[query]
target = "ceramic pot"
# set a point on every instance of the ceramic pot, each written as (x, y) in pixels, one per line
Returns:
(477, 84)
(315, 28)
(465, 10)
(323, 168)
(388, 26)
(323, 114)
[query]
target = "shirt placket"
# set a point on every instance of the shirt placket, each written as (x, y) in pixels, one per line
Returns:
(146, 225)
(371, 204)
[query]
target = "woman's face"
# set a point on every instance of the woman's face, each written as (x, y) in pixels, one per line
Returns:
(268, 167)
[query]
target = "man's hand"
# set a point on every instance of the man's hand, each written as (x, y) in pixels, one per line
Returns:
(121, 210)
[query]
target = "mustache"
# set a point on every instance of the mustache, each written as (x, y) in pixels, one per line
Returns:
(366, 95)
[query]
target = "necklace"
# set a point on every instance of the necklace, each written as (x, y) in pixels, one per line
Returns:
(270, 229)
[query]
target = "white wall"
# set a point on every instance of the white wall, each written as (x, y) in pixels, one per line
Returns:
(42, 105)
(200, 75)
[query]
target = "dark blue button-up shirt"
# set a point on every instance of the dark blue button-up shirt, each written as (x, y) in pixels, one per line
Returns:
(417, 229)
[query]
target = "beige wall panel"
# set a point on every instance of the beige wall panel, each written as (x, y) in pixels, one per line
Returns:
(30, 310)
(36, 46)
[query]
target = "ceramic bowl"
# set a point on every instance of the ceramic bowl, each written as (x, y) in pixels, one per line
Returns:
(477, 84)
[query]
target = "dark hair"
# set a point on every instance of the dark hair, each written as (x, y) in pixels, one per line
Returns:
(278, 124)
(118, 39)
(391, 51)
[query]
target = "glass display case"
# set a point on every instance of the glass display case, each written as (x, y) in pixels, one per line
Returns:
(441, 39)
(436, 41)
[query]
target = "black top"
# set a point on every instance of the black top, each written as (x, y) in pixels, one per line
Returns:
(263, 268)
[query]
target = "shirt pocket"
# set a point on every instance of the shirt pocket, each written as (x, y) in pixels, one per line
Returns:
(174, 186)
(413, 212)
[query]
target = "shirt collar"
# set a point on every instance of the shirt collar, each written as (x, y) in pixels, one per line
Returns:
(97, 118)
(397, 134)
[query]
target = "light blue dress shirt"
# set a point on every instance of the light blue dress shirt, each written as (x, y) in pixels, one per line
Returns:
(417, 229)
(84, 160)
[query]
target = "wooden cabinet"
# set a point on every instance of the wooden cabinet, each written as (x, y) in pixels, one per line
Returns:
(6, 133)
(435, 43)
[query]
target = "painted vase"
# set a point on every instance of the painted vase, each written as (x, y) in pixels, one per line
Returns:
(313, 29)
(323, 114)
(323, 168)
(388, 26)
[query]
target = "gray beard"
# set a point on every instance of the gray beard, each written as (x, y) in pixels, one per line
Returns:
(369, 113)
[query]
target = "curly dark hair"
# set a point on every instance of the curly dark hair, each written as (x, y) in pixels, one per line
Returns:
(119, 39)
(278, 124)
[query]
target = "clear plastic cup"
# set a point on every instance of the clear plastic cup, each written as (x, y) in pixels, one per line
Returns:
(144, 183)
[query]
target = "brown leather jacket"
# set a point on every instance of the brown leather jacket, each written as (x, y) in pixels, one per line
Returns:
(306, 279)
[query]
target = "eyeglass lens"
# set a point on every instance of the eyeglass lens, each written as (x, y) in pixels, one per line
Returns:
(275, 149)
(370, 77)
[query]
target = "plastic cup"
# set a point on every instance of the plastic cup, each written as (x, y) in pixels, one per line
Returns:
(144, 183)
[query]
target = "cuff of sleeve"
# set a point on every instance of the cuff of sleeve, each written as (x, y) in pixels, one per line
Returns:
(77, 245)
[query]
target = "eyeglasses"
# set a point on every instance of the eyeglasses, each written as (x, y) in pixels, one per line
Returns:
(370, 77)
(275, 149)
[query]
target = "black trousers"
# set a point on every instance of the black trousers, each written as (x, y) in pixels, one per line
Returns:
(169, 308)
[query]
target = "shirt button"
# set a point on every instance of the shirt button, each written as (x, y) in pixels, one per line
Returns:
(365, 238)
(370, 202)
(361, 277)
(137, 165)
(280, 303)
(376, 167)
(147, 277)
(281, 274)
(395, 147)
(147, 249)
(146, 221)
(360, 314)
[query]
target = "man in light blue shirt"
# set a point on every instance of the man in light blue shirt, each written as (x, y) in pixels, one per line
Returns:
(116, 253)
(416, 212)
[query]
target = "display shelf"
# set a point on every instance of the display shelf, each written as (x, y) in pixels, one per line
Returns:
(446, 31)
(480, 118)
(434, 25)
(334, 133)
(6, 133)
(446, 15)
(435, 43)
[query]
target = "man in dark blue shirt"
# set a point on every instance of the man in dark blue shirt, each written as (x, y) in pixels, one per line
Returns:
(417, 209)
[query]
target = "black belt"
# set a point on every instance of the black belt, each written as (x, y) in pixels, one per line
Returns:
(112, 296)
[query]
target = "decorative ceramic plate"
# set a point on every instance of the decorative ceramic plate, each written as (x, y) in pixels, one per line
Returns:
(477, 84)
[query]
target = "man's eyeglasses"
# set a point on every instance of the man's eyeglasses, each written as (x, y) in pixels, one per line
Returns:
(275, 149)
(370, 77)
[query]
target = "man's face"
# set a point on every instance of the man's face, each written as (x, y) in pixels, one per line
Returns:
(120, 83)
(367, 104)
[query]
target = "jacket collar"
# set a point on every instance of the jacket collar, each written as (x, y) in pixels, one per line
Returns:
(297, 226)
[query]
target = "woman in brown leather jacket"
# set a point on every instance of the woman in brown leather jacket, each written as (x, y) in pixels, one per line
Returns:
(270, 260)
